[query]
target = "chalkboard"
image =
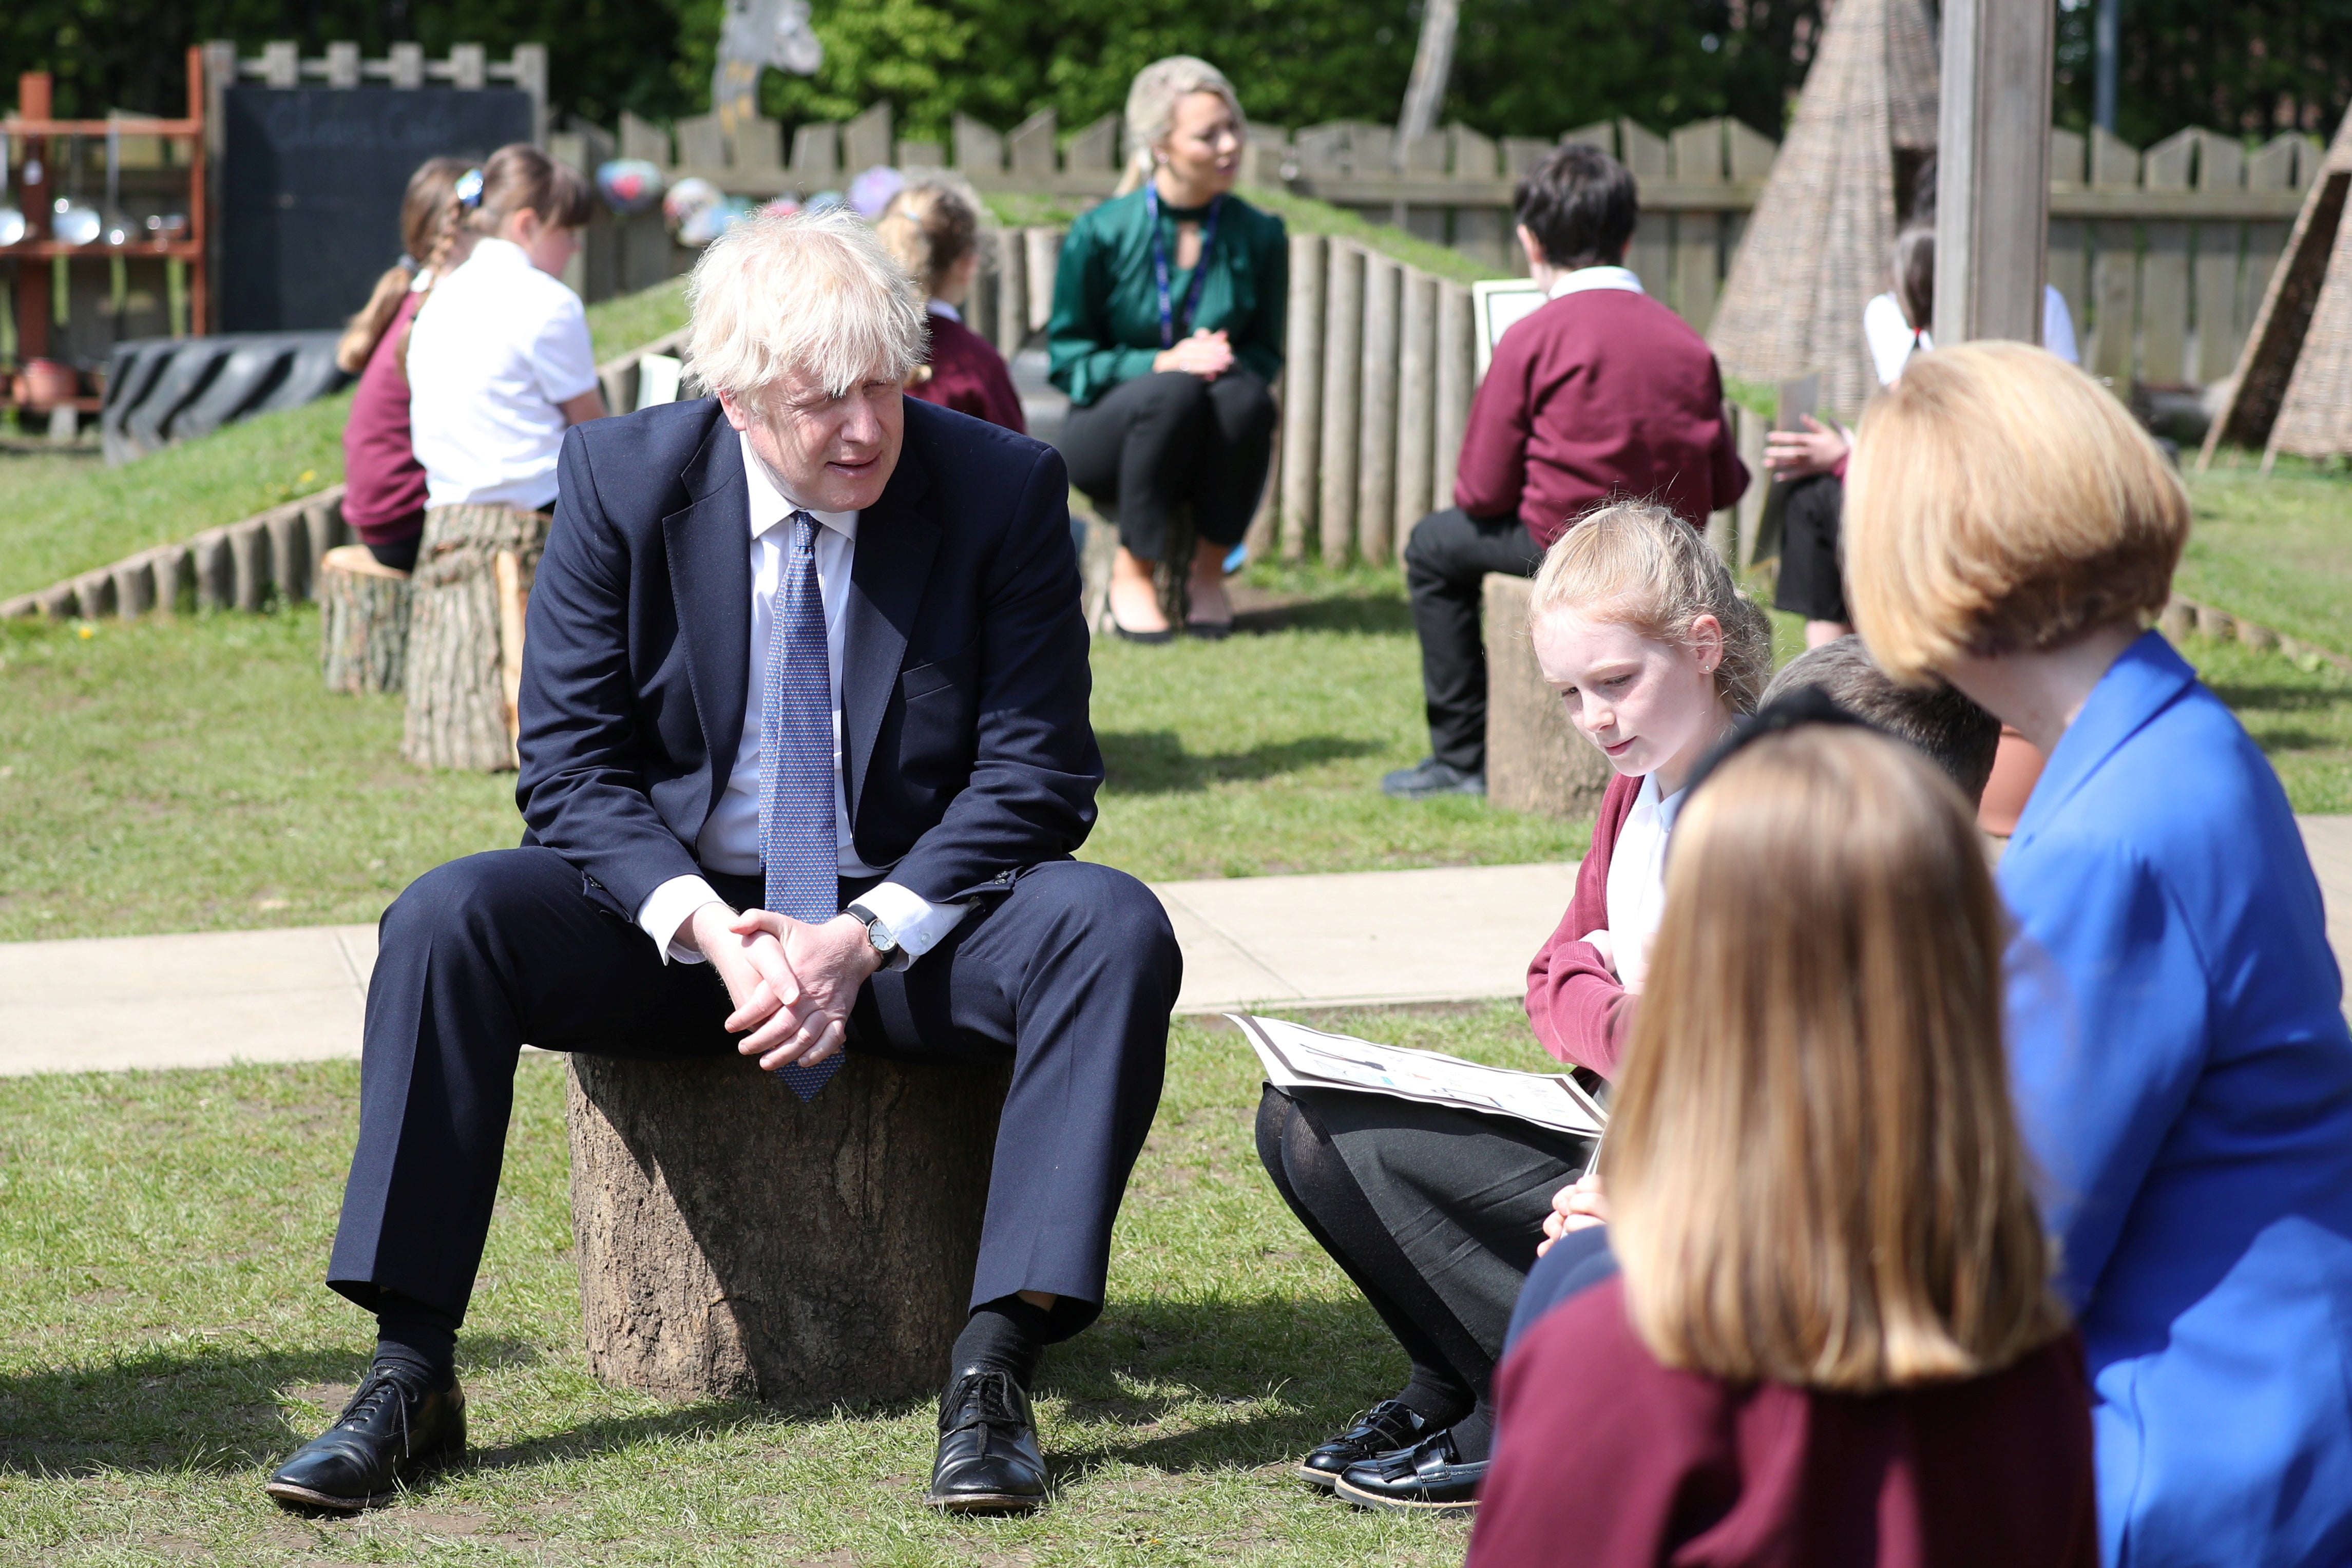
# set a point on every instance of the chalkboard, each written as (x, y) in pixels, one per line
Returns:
(311, 185)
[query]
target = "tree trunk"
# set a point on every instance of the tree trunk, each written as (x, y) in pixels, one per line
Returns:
(457, 679)
(735, 1243)
(362, 621)
(1536, 761)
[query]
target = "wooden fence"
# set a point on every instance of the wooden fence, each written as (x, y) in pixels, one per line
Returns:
(2162, 254)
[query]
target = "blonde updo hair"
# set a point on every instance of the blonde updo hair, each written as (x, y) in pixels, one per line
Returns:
(929, 228)
(1638, 565)
(1152, 109)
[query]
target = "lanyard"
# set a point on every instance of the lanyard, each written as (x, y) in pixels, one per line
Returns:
(1168, 316)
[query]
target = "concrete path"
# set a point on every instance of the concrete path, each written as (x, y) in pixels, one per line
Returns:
(1457, 933)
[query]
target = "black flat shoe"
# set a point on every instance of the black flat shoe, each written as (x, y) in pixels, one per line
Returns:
(391, 1429)
(1386, 1428)
(1209, 631)
(988, 1460)
(1154, 639)
(1424, 1479)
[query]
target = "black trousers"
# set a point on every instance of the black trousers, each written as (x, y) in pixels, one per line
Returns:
(1445, 564)
(1812, 582)
(1435, 1214)
(1070, 976)
(1150, 445)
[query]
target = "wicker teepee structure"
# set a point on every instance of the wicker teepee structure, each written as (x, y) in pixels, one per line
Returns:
(1817, 247)
(2294, 387)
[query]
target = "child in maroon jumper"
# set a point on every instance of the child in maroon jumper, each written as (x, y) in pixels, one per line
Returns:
(1601, 393)
(383, 484)
(934, 233)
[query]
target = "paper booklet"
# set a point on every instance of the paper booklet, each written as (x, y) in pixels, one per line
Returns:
(1296, 1057)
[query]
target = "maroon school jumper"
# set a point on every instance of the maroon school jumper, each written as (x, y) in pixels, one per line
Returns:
(969, 377)
(1578, 1011)
(383, 484)
(1606, 1459)
(1598, 394)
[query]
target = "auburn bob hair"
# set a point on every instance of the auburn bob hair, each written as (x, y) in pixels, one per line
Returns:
(1814, 1174)
(1998, 500)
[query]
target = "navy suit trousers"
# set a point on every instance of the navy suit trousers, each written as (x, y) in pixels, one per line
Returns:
(1070, 976)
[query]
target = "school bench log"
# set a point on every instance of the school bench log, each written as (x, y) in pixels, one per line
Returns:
(473, 577)
(362, 621)
(1536, 761)
(736, 1243)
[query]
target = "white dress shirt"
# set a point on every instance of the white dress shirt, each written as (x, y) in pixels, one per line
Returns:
(729, 841)
(1584, 277)
(1892, 341)
(1637, 880)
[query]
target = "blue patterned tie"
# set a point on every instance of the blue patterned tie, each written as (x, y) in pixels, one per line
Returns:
(796, 787)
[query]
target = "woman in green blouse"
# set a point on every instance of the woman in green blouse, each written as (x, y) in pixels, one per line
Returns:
(1167, 332)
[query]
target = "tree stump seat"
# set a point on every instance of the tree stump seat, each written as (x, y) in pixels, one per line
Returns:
(473, 576)
(362, 621)
(1536, 761)
(735, 1243)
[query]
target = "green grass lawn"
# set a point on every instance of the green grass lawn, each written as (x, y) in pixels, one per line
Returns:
(60, 517)
(194, 774)
(2277, 550)
(164, 1339)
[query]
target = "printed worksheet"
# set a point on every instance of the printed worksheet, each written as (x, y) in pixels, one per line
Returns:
(1296, 1057)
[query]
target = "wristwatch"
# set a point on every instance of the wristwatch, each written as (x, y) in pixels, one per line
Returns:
(893, 955)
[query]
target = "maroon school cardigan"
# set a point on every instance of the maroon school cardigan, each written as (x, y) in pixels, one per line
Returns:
(1599, 1446)
(1601, 393)
(1578, 1010)
(383, 484)
(969, 377)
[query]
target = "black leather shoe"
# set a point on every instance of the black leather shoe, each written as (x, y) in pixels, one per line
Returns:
(391, 1429)
(989, 1461)
(1428, 777)
(1386, 1428)
(1424, 1479)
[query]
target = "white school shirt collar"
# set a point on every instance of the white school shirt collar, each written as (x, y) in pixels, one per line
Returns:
(1584, 277)
(772, 504)
(941, 307)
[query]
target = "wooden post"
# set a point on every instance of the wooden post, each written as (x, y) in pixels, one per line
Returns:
(215, 569)
(734, 1243)
(1993, 180)
(1041, 250)
(2115, 270)
(1012, 291)
(362, 622)
(1416, 401)
(289, 553)
(1457, 369)
(456, 670)
(134, 588)
(1302, 393)
(1343, 333)
(2220, 166)
(248, 543)
(174, 575)
(1376, 424)
(32, 283)
(2164, 272)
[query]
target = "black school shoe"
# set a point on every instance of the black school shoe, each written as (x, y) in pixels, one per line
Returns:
(988, 1460)
(1386, 1428)
(1430, 777)
(393, 1428)
(1427, 1478)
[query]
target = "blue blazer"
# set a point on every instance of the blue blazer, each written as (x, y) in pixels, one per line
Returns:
(2184, 1074)
(964, 682)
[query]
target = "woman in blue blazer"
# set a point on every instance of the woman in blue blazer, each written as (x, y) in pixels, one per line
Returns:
(2180, 1059)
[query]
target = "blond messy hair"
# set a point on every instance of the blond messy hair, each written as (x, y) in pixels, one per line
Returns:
(1814, 1172)
(814, 294)
(1636, 563)
(1999, 499)
(1151, 102)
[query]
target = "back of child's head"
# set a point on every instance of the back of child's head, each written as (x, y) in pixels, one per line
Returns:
(929, 229)
(1814, 1173)
(1957, 735)
(518, 177)
(1637, 565)
(1579, 203)
(425, 209)
(1914, 276)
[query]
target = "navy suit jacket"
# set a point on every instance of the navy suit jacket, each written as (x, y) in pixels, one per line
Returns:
(964, 682)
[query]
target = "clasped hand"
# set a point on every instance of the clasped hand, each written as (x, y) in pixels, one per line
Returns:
(792, 984)
(1580, 1206)
(1205, 354)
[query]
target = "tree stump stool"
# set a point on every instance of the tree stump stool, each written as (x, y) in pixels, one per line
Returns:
(735, 1243)
(474, 571)
(1536, 761)
(362, 621)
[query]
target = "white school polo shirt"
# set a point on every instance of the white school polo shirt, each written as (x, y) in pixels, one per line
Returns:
(497, 348)
(1637, 880)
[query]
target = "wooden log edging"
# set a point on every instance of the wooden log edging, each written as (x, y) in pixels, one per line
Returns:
(2182, 617)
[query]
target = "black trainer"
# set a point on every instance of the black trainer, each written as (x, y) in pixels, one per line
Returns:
(988, 1460)
(1386, 1428)
(1428, 1478)
(1428, 777)
(393, 1428)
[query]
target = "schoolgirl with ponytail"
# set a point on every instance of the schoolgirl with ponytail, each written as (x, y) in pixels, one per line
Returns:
(932, 230)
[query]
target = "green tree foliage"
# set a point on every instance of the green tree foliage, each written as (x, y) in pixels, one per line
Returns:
(2253, 67)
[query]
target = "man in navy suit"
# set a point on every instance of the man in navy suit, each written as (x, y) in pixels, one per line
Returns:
(804, 754)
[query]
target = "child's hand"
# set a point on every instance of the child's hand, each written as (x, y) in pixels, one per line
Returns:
(1798, 454)
(1578, 1206)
